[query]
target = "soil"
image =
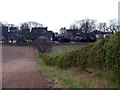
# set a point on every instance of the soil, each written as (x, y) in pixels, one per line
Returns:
(19, 69)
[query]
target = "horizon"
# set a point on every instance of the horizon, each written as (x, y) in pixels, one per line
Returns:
(56, 14)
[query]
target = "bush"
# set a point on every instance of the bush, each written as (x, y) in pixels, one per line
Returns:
(101, 55)
(43, 44)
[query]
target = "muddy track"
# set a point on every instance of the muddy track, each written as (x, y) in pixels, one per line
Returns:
(19, 69)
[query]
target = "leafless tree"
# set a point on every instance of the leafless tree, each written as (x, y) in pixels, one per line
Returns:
(86, 25)
(113, 25)
(24, 26)
(43, 44)
(74, 26)
(102, 26)
(31, 24)
(34, 24)
(63, 30)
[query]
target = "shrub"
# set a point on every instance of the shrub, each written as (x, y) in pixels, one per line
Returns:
(48, 60)
(101, 55)
(43, 44)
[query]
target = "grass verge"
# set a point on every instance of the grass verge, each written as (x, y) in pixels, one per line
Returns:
(61, 76)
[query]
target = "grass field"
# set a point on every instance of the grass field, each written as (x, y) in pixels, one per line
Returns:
(72, 77)
(60, 49)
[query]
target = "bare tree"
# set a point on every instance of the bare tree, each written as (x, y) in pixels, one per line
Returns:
(24, 25)
(43, 44)
(31, 24)
(74, 26)
(87, 25)
(113, 25)
(26, 28)
(34, 24)
(102, 26)
(63, 31)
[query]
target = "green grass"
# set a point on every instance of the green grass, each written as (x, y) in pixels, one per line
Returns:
(66, 77)
(62, 76)
(98, 75)
(60, 49)
(114, 80)
(111, 81)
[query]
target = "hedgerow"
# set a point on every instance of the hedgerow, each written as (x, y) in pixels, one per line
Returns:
(101, 55)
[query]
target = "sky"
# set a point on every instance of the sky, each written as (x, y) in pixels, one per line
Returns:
(57, 13)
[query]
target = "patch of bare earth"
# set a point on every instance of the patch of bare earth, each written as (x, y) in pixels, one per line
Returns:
(19, 69)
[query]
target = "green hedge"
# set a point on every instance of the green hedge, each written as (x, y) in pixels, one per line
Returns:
(103, 55)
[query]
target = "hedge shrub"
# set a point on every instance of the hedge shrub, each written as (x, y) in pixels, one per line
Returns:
(101, 55)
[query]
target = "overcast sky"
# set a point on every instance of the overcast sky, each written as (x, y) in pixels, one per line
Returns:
(57, 13)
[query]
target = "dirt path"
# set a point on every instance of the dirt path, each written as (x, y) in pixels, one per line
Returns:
(19, 68)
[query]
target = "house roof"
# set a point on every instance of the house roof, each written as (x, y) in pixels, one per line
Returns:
(101, 32)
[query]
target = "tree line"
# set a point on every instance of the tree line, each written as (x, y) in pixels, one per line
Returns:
(87, 25)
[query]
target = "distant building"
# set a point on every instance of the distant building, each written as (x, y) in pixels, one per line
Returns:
(49, 35)
(100, 34)
(38, 31)
(13, 29)
(4, 34)
(41, 31)
(4, 31)
(55, 36)
(74, 33)
(12, 34)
